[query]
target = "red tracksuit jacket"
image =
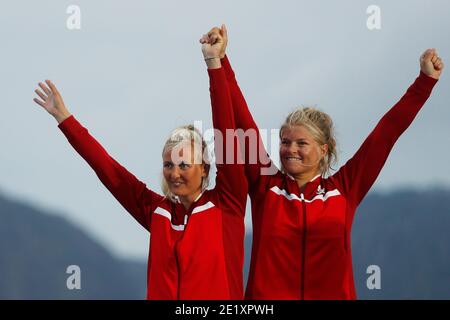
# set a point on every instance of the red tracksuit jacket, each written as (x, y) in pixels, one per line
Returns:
(200, 259)
(301, 239)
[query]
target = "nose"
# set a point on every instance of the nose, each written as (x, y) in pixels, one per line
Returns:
(291, 148)
(175, 173)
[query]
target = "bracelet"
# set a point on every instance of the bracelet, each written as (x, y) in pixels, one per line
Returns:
(211, 58)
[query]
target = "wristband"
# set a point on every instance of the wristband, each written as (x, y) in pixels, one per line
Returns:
(211, 58)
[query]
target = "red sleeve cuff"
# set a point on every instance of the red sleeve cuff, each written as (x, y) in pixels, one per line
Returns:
(227, 67)
(225, 61)
(426, 82)
(68, 123)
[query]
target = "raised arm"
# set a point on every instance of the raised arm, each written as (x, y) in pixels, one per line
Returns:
(231, 184)
(257, 161)
(132, 194)
(360, 172)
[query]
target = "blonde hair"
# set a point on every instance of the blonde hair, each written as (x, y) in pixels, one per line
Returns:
(182, 135)
(320, 126)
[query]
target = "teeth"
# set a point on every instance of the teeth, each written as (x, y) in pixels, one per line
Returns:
(293, 158)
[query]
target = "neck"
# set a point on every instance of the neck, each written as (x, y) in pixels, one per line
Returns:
(188, 200)
(303, 178)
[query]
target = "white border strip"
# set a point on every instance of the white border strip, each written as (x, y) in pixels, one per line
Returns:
(204, 207)
(166, 214)
(292, 196)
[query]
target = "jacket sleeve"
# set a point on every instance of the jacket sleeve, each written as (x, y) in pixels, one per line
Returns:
(132, 194)
(360, 172)
(257, 160)
(231, 184)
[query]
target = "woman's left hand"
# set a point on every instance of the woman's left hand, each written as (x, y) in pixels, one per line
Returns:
(431, 64)
(212, 50)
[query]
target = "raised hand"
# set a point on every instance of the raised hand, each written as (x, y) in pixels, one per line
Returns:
(215, 33)
(51, 100)
(212, 50)
(431, 64)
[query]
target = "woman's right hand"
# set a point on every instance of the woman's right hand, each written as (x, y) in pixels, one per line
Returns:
(215, 33)
(51, 101)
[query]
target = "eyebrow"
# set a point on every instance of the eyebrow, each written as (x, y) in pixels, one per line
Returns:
(301, 139)
(181, 162)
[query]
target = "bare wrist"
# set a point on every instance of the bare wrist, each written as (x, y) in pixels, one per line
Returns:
(60, 117)
(213, 62)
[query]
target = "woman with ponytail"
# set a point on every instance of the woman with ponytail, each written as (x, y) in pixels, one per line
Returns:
(302, 215)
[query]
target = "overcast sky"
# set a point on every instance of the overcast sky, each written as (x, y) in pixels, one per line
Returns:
(134, 71)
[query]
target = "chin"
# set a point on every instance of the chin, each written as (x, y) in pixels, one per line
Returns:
(290, 167)
(177, 192)
(294, 170)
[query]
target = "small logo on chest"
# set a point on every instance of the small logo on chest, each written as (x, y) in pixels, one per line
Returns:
(320, 190)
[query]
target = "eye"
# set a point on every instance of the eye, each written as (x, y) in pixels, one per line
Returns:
(184, 166)
(168, 165)
(285, 142)
(302, 143)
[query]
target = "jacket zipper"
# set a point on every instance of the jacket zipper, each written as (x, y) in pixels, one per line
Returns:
(303, 248)
(176, 258)
(178, 271)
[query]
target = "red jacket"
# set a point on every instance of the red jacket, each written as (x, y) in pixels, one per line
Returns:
(200, 259)
(301, 239)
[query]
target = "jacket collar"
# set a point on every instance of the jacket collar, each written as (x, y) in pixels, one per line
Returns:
(311, 189)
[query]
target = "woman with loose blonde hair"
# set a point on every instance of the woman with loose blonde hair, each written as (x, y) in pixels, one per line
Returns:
(185, 136)
(197, 235)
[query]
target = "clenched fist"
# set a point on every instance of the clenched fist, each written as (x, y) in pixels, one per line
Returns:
(431, 64)
(213, 48)
(221, 32)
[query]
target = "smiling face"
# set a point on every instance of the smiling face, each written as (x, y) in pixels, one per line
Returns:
(300, 154)
(183, 176)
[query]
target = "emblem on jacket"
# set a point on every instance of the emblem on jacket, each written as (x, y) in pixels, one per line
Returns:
(320, 190)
